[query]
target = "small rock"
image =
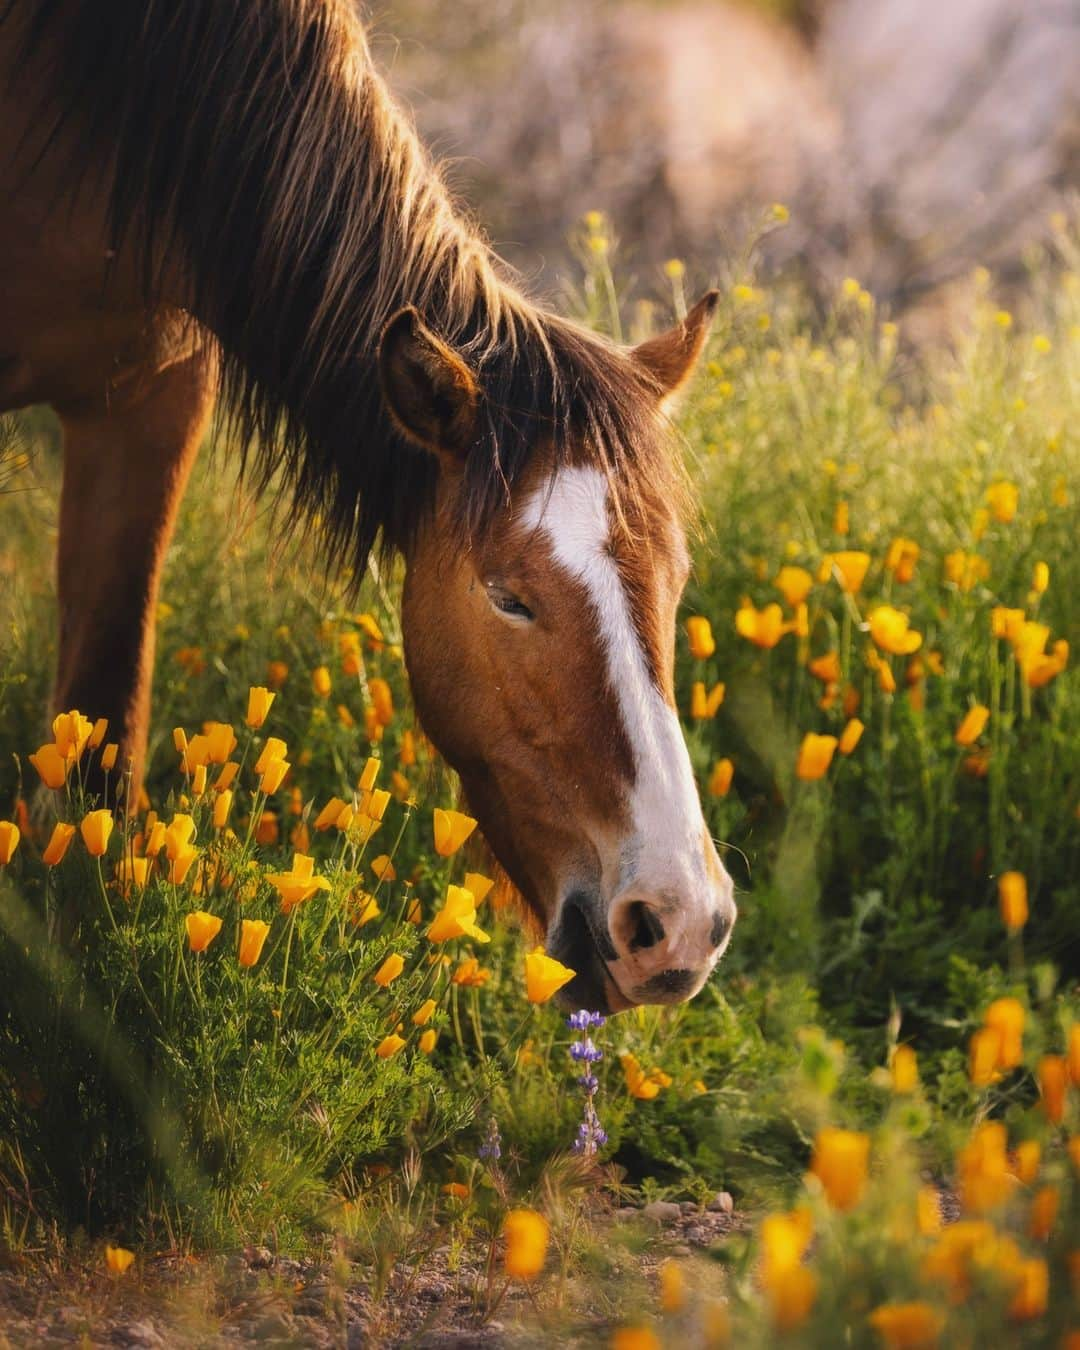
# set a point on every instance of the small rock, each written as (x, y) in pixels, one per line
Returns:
(689, 1207)
(723, 1204)
(259, 1258)
(627, 1213)
(662, 1212)
(680, 1249)
(139, 1334)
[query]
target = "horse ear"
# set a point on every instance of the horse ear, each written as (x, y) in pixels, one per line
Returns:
(670, 358)
(430, 392)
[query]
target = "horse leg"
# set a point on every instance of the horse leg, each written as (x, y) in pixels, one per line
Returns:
(125, 469)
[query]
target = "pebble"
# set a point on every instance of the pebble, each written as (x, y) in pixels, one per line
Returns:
(723, 1204)
(662, 1212)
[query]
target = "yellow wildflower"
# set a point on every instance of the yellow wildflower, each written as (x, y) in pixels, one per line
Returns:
(96, 827)
(390, 969)
(700, 637)
(57, 846)
(891, 630)
(452, 828)
(9, 840)
(526, 1234)
(763, 627)
(253, 934)
(973, 725)
(544, 976)
(202, 929)
(839, 1162)
(457, 918)
(260, 700)
(1013, 900)
(389, 1046)
(815, 756)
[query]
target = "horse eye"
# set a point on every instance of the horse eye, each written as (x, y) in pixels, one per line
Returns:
(507, 603)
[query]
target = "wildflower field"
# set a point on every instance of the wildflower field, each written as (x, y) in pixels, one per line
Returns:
(286, 1003)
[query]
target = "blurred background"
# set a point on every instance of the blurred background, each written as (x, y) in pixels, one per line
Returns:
(909, 138)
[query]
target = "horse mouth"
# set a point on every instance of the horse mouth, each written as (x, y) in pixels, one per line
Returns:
(580, 940)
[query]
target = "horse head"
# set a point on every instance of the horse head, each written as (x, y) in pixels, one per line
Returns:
(541, 651)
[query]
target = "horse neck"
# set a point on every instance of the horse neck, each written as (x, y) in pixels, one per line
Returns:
(256, 154)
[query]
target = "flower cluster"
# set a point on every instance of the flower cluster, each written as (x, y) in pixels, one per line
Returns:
(586, 1054)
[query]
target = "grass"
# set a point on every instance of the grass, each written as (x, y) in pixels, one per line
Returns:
(219, 1104)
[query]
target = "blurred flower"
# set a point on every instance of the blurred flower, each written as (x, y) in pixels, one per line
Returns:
(259, 702)
(320, 681)
(983, 1050)
(1032, 1292)
(389, 1046)
(850, 736)
(470, 974)
(644, 1086)
(422, 1016)
(1006, 1016)
(108, 757)
(427, 1041)
(1003, 498)
(839, 1162)
(118, 1259)
(382, 700)
(544, 976)
(266, 831)
(57, 846)
(928, 1211)
(794, 584)
(457, 918)
(1006, 622)
(51, 765)
(179, 834)
(101, 727)
(904, 1070)
(672, 1287)
(891, 630)
(253, 933)
(699, 633)
(366, 909)
(1013, 900)
(479, 885)
(790, 1288)
(1040, 578)
(901, 558)
(973, 724)
(704, 706)
(1026, 1158)
(826, 668)
(721, 778)
(456, 1190)
(841, 518)
(390, 969)
(763, 627)
(277, 672)
(9, 840)
(452, 828)
(131, 874)
(965, 569)
(850, 569)
(982, 1169)
(815, 756)
(1074, 1054)
(96, 827)
(1045, 1204)
(202, 929)
(907, 1326)
(526, 1234)
(383, 868)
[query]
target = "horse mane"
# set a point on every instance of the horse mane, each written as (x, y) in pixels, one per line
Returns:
(251, 147)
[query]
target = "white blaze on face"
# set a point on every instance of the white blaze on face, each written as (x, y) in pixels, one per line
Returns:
(665, 857)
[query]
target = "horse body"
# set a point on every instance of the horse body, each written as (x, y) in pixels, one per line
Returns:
(240, 171)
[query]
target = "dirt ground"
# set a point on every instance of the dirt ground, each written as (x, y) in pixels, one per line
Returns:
(257, 1298)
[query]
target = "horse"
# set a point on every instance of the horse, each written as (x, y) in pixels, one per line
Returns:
(222, 203)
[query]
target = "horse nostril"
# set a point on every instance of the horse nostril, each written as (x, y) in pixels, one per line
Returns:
(643, 926)
(721, 927)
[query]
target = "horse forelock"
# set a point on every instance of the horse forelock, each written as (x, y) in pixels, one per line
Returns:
(253, 149)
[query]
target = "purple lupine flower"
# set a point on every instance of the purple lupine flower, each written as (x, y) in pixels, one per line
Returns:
(491, 1149)
(590, 1134)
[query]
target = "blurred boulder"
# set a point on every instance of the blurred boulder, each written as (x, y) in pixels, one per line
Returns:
(910, 138)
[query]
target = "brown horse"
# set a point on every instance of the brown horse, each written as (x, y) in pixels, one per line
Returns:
(213, 196)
